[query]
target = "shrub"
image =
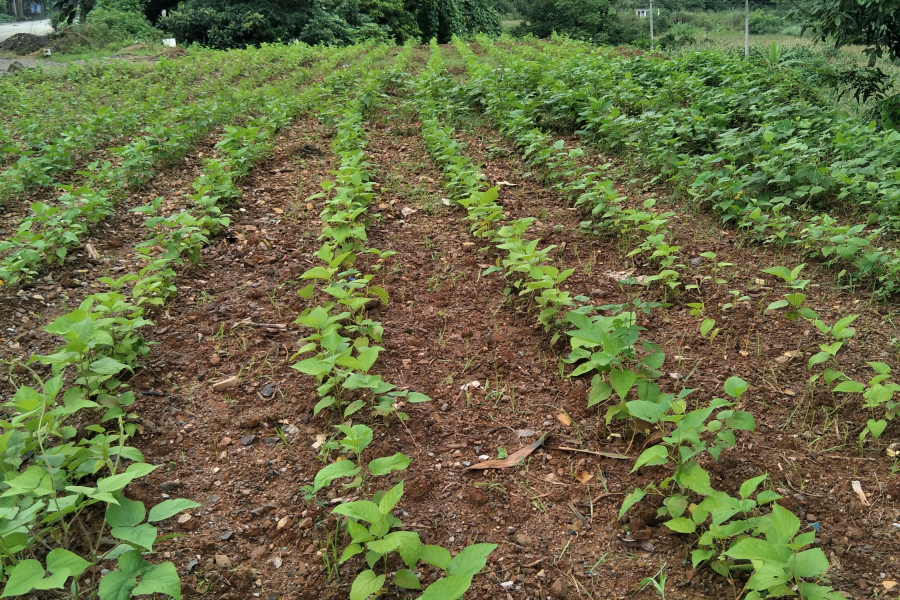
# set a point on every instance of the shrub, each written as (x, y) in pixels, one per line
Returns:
(123, 20)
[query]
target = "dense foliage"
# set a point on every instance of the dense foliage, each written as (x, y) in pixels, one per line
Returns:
(233, 23)
(874, 24)
(589, 20)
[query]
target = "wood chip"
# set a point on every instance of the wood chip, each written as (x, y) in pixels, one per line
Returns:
(226, 384)
(604, 454)
(857, 487)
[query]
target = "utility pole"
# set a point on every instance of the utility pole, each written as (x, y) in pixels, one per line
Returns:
(746, 28)
(651, 24)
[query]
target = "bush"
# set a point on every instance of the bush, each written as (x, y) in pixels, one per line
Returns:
(588, 20)
(5, 18)
(762, 21)
(236, 23)
(122, 21)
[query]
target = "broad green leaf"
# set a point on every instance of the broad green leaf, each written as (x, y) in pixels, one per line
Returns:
(366, 584)
(600, 391)
(622, 381)
(435, 555)
(876, 428)
(350, 551)
(630, 500)
(23, 578)
(384, 545)
(700, 555)
(654, 455)
(849, 387)
(470, 560)
(55, 581)
(142, 535)
(785, 525)
(408, 547)
(696, 479)
(779, 271)
(363, 510)
(384, 465)
(404, 578)
(776, 305)
(706, 326)
(127, 513)
(768, 496)
(735, 387)
(416, 397)
(390, 498)
(132, 563)
(108, 366)
(60, 559)
(757, 549)
(681, 525)
(170, 508)
(448, 588)
(161, 579)
(327, 474)
(749, 486)
(118, 482)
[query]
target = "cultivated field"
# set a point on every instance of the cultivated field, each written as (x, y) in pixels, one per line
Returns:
(491, 319)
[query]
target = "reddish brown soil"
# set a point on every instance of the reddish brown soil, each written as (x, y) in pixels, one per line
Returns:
(446, 325)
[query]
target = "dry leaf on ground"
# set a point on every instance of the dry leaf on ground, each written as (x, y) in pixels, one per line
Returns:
(857, 487)
(513, 459)
(583, 476)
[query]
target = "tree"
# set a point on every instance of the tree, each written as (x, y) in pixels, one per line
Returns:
(874, 24)
(234, 23)
(589, 20)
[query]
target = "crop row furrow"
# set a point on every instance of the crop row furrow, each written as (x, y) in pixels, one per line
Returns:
(608, 346)
(50, 231)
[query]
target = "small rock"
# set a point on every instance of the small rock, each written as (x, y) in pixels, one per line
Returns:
(248, 440)
(559, 589)
(271, 440)
(855, 534)
(167, 486)
(258, 552)
(523, 540)
(212, 499)
(187, 522)
(225, 441)
(811, 518)
(227, 536)
(445, 407)
(223, 561)
(284, 523)
(192, 564)
(267, 391)
(225, 384)
(215, 360)
(305, 523)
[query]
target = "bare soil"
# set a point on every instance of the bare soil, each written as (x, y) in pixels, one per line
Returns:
(447, 325)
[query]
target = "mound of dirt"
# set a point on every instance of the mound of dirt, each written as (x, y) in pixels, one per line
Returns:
(23, 43)
(173, 53)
